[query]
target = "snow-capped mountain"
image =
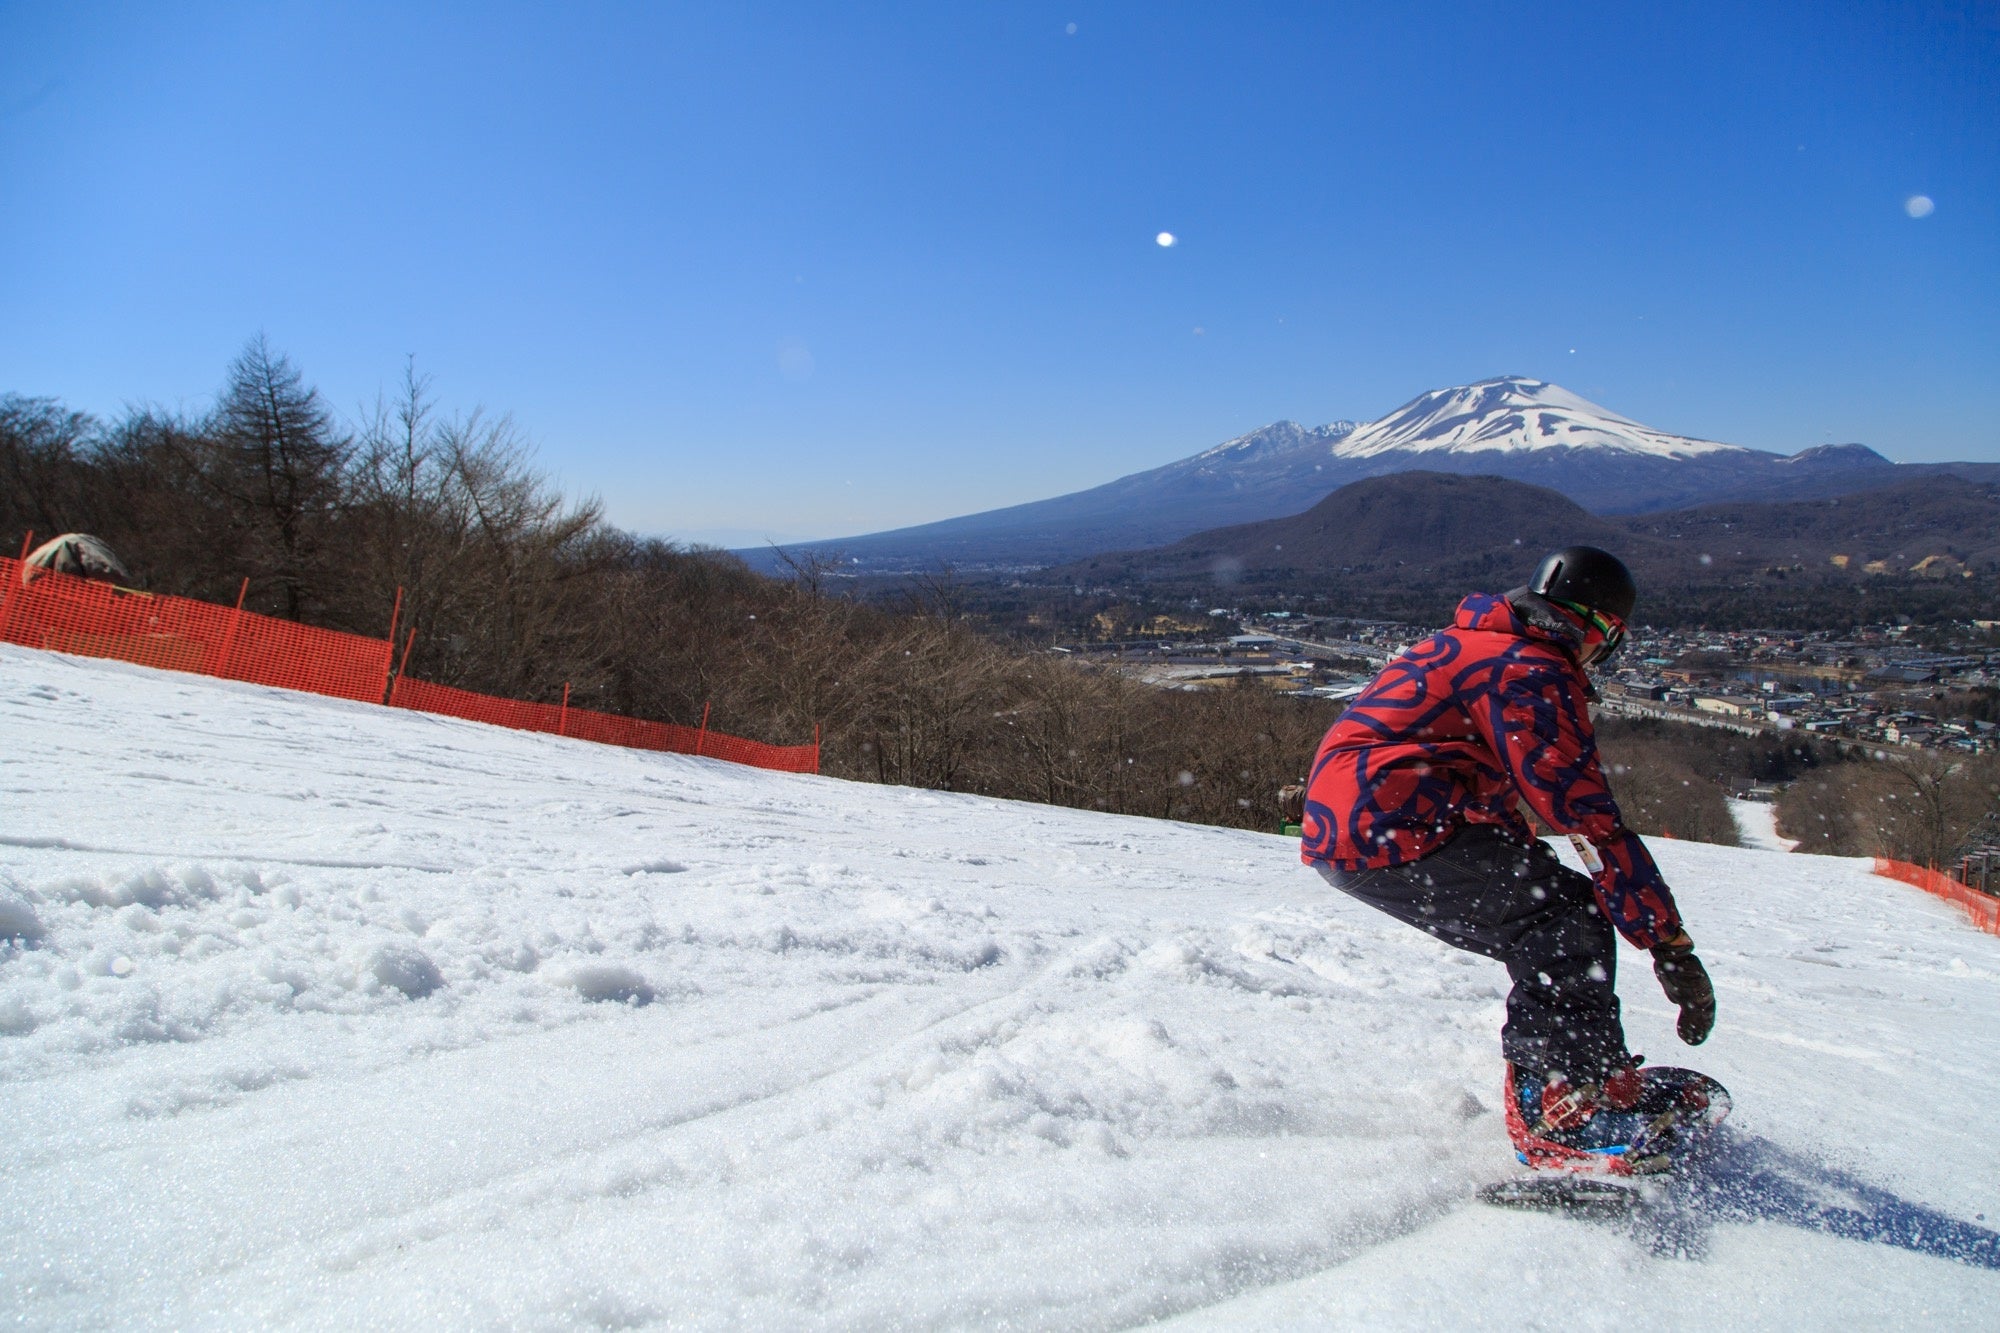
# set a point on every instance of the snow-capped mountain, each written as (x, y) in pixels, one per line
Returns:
(1522, 429)
(1511, 415)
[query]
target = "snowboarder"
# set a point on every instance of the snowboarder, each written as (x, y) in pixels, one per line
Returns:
(1412, 807)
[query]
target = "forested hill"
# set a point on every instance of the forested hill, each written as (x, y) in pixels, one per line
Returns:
(1414, 540)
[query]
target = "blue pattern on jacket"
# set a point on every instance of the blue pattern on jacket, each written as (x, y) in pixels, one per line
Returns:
(1460, 729)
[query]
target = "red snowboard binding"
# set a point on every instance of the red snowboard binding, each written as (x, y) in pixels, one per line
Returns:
(1674, 1112)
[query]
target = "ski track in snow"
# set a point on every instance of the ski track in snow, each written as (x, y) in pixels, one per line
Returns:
(324, 1015)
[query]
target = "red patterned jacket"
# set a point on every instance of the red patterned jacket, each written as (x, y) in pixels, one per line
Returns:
(1459, 729)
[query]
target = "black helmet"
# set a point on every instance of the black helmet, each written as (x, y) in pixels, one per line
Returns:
(1588, 577)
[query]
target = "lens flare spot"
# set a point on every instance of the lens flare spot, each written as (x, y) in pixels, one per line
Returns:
(795, 360)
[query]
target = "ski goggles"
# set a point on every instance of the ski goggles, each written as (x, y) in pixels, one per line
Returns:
(1609, 632)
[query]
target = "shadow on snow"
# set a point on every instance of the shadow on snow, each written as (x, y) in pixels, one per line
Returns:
(1743, 1178)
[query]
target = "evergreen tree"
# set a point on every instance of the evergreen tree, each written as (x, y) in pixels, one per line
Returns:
(280, 461)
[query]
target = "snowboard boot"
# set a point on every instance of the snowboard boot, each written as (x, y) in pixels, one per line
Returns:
(1589, 1127)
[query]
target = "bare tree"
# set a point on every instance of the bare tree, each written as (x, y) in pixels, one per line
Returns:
(805, 663)
(1933, 803)
(155, 500)
(1050, 729)
(1923, 806)
(937, 706)
(42, 466)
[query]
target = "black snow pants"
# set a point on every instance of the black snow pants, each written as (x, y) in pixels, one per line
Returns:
(1485, 893)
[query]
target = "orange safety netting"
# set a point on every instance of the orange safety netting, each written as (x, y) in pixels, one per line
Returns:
(425, 697)
(90, 619)
(1983, 908)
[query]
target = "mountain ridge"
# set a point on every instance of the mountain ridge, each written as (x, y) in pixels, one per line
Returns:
(1524, 429)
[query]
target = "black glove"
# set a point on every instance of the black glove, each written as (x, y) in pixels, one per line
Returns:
(1686, 983)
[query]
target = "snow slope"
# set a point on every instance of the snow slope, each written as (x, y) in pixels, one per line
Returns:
(323, 1015)
(1757, 825)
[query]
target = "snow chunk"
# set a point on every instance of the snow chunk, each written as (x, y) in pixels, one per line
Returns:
(155, 887)
(659, 867)
(400, 967)
(218, 1087)
(608, 981)
(15, 1016)
(17, 915)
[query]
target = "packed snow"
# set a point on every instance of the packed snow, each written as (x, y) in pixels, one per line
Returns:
(1513, 415)
(317, 1014)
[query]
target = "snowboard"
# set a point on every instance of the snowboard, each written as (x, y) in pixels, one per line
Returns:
(1680, 1108)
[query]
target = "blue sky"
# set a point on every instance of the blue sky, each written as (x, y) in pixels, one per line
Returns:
(812, 270)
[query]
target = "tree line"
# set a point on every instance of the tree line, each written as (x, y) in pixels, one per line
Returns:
(512, 589)
(1926, 807)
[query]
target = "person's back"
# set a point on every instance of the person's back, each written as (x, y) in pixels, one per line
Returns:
(1424, 748)
(1413, 807)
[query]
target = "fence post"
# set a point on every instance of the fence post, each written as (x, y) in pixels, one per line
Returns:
(404, 665)
(229, 639)
(815, 748)
(7, 601)
(701, 738)
(389, 648)
(562, 718)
